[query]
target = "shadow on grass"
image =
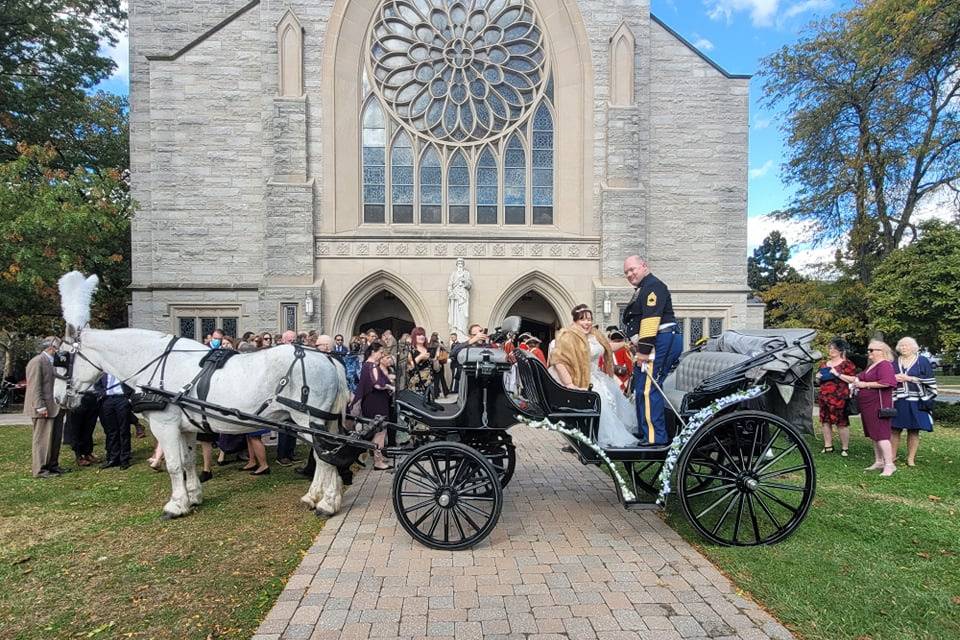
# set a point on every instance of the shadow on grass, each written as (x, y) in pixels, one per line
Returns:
(87, 555)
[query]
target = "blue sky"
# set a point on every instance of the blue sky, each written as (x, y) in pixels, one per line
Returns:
(736, 34)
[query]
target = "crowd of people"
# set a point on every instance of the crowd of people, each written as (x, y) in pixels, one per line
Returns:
(893, 392)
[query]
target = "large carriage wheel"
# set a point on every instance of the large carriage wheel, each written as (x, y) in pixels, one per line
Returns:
(447, 495)
(500, 451)
(747, 478)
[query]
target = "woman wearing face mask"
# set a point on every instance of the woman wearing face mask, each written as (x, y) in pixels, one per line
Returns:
(576, 360)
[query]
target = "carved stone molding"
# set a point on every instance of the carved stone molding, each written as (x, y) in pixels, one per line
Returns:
(420, 248)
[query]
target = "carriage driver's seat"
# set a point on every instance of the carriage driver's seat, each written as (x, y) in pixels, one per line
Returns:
(430, 413)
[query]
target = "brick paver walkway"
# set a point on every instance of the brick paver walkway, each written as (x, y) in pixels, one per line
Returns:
(565, 561)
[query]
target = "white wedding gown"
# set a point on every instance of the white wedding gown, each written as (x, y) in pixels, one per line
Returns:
(618, 417)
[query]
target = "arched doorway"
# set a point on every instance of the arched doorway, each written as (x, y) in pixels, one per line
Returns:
(384, 311)
(537, 317)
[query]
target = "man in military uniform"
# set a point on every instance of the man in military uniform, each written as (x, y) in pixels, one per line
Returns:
(651, 326)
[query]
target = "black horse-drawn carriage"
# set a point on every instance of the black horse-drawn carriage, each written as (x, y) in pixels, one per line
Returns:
(744, 474)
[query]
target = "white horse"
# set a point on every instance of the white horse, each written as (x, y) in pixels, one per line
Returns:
(244, 383)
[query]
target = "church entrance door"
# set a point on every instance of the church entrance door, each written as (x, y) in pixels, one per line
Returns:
(537, 317)
(384, 311)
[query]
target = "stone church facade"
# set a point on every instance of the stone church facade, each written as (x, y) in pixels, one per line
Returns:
(322, 164)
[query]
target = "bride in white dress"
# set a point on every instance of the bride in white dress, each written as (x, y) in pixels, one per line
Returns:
(576, 360)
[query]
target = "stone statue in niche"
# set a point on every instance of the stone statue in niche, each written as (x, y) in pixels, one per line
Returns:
(458, 292)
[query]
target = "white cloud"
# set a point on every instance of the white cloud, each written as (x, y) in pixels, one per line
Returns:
(702, 43)
(762, 12)
(761, 171)
(942, 204)
(762, 123)
(805, 258)
(120, 54)
(805, 6)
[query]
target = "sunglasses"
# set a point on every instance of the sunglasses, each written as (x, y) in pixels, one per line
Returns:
(872, 350)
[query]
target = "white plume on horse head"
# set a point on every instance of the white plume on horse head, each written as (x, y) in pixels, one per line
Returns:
(76, 293)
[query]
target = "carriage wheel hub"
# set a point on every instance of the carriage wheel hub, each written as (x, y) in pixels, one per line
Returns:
(747, 482)
(445, 499)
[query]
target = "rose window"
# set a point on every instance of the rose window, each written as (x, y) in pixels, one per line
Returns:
(458, 70)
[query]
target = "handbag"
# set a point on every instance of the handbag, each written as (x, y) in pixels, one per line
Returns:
(885, 412)
(852, 405)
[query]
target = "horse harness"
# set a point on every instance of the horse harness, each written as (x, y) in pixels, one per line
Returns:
(213, 360)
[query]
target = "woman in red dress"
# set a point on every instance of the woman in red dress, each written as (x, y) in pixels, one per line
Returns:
(875, 386)
(833, 395)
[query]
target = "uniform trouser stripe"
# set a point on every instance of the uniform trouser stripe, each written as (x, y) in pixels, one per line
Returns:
(647, 386)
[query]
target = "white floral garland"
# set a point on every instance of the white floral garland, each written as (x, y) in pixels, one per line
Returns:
(699, 419)
(577, 435)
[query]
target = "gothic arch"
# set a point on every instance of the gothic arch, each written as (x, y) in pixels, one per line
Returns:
(622, 53)
(552, 291)
(290, 52)
(371, 284)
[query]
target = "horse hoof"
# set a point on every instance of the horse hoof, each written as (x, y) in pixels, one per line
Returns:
(168, 516)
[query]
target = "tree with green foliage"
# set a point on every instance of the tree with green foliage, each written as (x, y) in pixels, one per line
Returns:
(49, 60)
(832, 307)
(872, 97)
(770, 263)
(53, 221)
(915, 291)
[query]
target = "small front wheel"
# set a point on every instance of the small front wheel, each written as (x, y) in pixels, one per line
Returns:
(447, 495)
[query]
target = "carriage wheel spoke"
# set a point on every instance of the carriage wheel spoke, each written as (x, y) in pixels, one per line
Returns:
(420, 483)
(456, 476)
(736, 523)
(459, 525)
(485, 482)
(425, 515)
(708, 476)
(711, 489)
(426, 474)
(783, 504)
(767, 447)
(417, 494)
(753, 447)
(785, 487)
(753, 518)
(726, 512)
(446, 525)
(466, 517)
(436, 469)
(777, 459)
(736, 441)
(477, 510)
(766, 510)
(420, 505)
(710, 508)
(436, 521)
(783, 472)
(726, 455)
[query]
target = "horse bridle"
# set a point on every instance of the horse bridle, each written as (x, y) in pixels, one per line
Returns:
(66, 360)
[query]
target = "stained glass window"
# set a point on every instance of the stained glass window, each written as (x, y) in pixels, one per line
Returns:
(431, 188)
(401, 179)
(444, 83)
(374, 169)
(716, 326)
(229, 326)
(487, 180)
(542, 145)
(514, 182)
(207, 326)
(188, 328)
(458, 190)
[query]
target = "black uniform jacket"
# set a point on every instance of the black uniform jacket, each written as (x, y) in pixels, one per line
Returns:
(650, 307)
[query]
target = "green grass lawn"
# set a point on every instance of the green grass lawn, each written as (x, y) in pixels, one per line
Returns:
(948, 381)
(87, 556)
(875, 559)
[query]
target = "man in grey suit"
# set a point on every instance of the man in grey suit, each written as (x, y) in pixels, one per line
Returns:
(39, 406)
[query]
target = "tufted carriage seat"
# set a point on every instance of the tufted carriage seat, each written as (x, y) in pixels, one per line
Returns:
(694, 368)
